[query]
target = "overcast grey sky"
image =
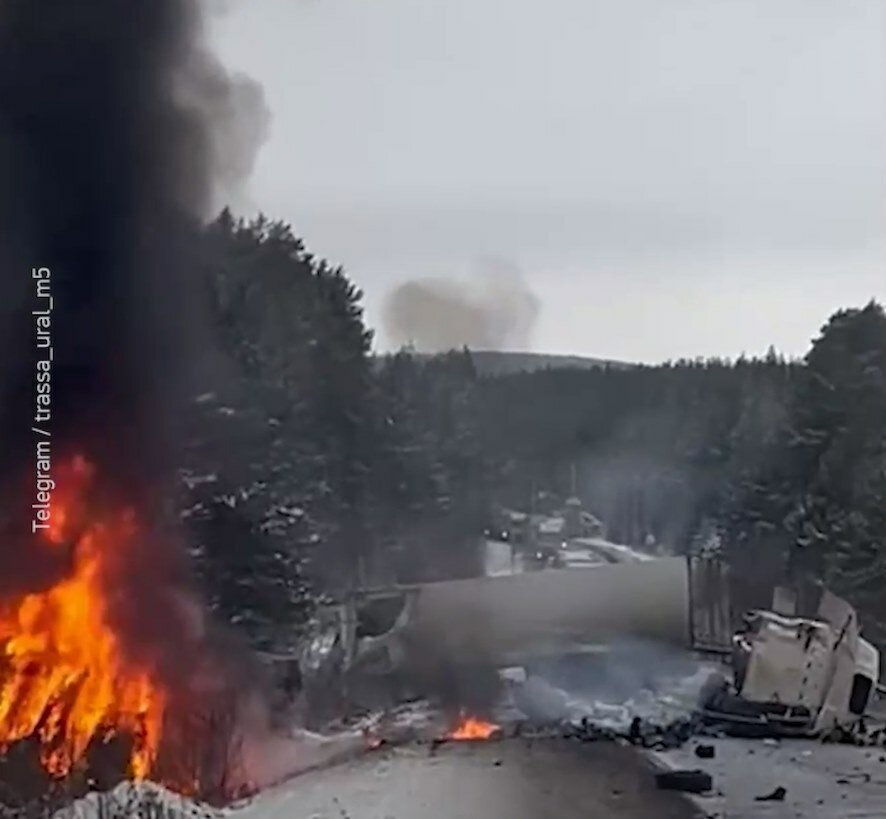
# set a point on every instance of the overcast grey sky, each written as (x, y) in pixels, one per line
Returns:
(674, 177)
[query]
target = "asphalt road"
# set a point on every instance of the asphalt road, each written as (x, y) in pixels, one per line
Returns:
(820, 781)
(506, 779)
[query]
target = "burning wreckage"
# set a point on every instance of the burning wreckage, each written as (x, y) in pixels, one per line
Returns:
(109, 669)
(652, 646)
(81, 702)
(81, 708)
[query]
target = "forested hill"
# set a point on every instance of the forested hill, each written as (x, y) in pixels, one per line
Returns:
(495, 362)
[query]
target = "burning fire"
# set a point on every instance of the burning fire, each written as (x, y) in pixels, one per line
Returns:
(64, 679)
(472, 728)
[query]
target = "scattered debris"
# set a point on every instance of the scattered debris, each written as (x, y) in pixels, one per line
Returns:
(435, 744)
(777, 795)
(705, 751)
(686, 781)
(846, 778)
(341, 811)
(641, 733)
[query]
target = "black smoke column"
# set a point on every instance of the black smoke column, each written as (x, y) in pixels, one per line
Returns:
(103, 173)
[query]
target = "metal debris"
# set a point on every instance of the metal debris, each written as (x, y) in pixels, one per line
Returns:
(687, 781)
(777, 795)
(705, 751)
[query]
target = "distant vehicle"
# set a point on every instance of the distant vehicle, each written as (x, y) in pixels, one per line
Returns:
(545, 557)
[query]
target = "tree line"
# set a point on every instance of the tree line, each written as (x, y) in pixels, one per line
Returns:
(781, 464)
(313, 466)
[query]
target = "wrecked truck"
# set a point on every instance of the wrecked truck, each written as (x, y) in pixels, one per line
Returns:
(508, 619)
(794, 675)
(398, 638)
(792, 672)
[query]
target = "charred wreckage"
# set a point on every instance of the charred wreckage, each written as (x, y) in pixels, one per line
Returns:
(790, 670)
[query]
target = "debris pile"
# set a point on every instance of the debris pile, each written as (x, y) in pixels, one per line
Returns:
(640, 733)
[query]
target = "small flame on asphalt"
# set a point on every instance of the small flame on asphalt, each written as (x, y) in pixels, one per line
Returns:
(473, 728)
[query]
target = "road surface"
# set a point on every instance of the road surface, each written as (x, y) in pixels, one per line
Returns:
(507, 779)
(821, 781)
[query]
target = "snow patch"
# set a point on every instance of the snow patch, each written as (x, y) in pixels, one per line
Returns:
(144, 800)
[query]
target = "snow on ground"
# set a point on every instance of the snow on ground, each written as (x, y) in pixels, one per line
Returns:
(607, 551)
(136, 799)
(574, 558)
(271, 761)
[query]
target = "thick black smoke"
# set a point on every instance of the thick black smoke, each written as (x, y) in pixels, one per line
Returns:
(102, 173)
(110, 156)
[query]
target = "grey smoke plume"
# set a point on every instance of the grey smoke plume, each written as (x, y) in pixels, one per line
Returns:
(238, 119)
(494, 310)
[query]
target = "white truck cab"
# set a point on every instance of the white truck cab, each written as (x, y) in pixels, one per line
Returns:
(803, 675)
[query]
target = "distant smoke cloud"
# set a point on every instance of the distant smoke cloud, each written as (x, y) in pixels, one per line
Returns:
(494, 310)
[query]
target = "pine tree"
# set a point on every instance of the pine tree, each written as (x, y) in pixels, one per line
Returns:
(838, 456)
(281, 428)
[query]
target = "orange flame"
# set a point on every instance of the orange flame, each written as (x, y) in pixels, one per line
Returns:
(473, 728)
(63, 677)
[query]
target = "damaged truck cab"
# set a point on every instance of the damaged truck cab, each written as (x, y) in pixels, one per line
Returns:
(797, 675)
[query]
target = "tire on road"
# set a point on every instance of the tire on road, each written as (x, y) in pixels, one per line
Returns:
(686, 781)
